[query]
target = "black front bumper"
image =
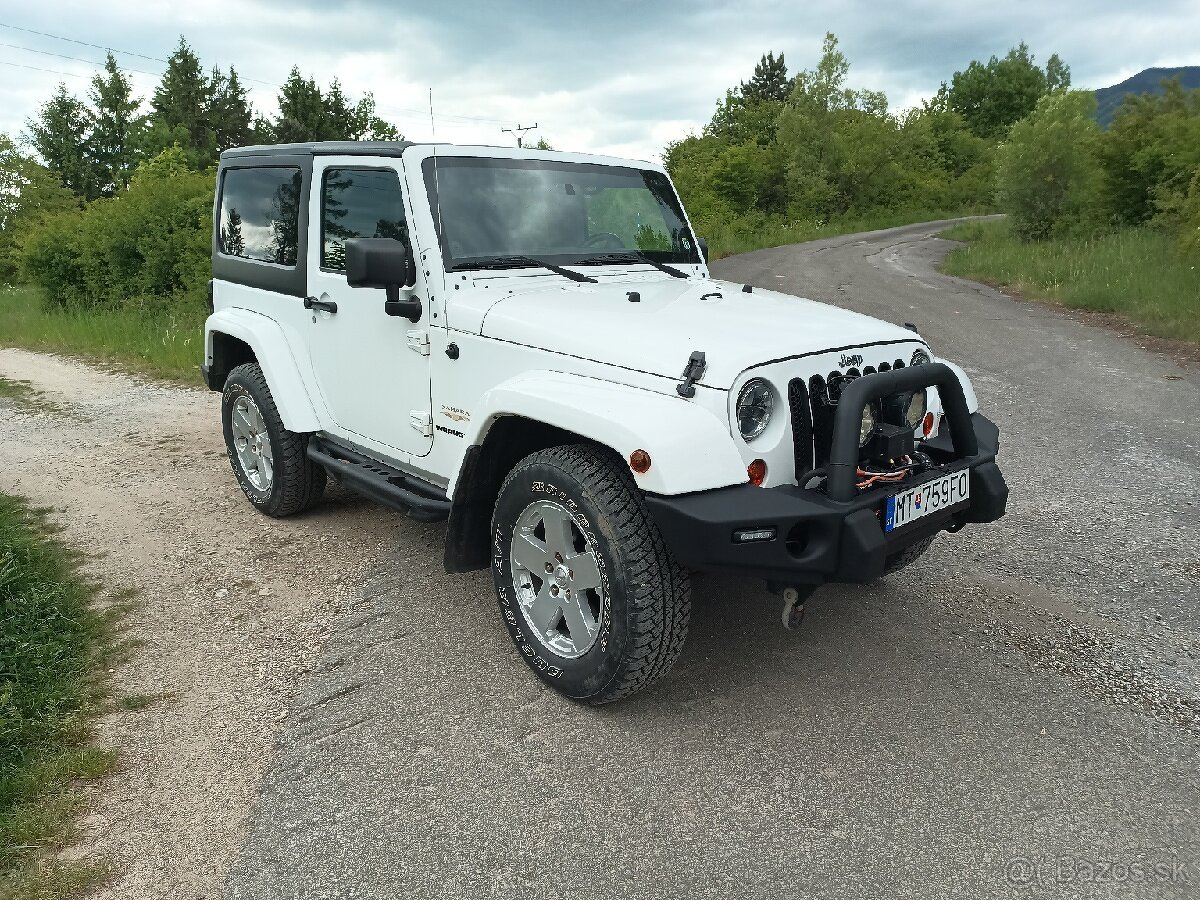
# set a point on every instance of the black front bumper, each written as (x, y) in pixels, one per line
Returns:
(818, 537)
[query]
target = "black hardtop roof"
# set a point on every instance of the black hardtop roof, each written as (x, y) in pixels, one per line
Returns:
(320, 148)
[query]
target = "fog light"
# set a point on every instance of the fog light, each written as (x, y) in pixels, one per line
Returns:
(753, 535)
(639, 461)
(757, 471)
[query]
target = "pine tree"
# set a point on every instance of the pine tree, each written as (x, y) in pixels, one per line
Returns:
(769, 81)
(180, 109)
(301, 110)
(229, 111)
(59, 133)
(117, 129)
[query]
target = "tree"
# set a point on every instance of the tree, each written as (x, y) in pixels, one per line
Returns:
(59, 134)
(28, 192)
(301, 111)
(117, 129)
(992, 96)
(180, 109)
(1150, 153)
(308, 114)
(769, 81)
(1058, 74)
(229, 111)
(1046, 172)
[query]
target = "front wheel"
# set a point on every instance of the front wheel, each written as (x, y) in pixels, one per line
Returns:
(590, 594)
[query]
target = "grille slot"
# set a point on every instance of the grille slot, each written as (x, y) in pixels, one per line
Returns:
(814, 435)
(802, 425)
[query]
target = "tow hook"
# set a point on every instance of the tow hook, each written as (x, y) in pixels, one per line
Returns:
(794, 597)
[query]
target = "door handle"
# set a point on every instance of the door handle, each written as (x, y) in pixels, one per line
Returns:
(313, 303)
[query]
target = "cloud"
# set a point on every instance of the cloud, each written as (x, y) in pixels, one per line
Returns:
(609, 76)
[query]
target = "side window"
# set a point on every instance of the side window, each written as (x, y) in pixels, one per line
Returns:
(358, 203)
(260, 214)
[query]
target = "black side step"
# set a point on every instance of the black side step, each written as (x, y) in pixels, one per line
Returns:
(382, 484)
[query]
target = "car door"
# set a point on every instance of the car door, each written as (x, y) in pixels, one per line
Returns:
(372, 369)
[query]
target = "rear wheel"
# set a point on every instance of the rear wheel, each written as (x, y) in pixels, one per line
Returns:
(588, 590)
(270, 462)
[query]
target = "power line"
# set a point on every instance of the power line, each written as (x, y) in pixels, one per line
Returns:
(90, 62)
(5, 62)
(449, 119)
(59, 37)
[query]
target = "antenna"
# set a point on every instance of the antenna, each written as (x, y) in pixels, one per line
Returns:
(437, 186)
(519, 131)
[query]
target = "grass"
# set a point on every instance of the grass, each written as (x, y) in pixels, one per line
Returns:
(52, 643)
(775, 233)
(25, 397)
(1135, 273)
(166, 345)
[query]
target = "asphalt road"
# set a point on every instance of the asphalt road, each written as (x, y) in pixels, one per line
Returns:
(1016, 717)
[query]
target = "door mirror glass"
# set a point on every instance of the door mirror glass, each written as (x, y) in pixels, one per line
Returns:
(703, 248)
(379, 263)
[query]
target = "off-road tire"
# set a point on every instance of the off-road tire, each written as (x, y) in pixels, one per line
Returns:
(647, 595)
(297, 482)
(907, 556)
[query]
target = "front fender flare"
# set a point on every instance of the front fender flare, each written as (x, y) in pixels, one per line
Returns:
(690, 448)
(968, 388)
(270, 345)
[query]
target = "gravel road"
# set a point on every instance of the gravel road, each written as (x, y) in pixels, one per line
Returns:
(1018, 717)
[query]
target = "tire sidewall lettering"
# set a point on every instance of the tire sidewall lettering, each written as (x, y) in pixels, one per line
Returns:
(546, 665)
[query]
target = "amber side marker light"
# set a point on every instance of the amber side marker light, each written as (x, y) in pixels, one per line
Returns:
(639, 461)
(757, 471)
(927, 424)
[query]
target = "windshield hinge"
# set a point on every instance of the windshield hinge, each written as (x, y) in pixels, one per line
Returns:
(418, 341)
(692, 372)
(422, 421)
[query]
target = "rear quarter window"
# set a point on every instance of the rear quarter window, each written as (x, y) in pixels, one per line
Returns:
(260, 214)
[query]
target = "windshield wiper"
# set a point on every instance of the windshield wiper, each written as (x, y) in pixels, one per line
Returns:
(634, 255)
(516, 262)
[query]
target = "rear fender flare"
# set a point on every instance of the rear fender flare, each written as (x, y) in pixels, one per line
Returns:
(274, 356)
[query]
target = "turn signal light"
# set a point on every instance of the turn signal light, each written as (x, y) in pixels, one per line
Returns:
(639, 461)
(927, 424)
(757, 471)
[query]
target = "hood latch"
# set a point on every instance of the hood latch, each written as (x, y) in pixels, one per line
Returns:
(692, 372)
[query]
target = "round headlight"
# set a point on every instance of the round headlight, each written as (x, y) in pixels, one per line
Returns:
(755, 403)
(919, 357)
(916, 410)
(866, 426)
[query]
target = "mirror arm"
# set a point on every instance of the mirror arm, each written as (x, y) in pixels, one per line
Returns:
(410, 309)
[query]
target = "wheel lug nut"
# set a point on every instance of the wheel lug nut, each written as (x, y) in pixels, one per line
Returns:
(549, 568)
(558, 556)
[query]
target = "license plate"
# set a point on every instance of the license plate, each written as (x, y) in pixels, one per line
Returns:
(928, 498)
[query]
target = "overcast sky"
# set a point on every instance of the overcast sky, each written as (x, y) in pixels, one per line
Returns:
(604, 76)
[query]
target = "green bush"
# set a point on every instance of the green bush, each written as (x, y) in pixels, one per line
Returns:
(148, 247)
(1046, 172)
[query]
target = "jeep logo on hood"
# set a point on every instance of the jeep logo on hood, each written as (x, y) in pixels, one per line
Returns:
(847, 360)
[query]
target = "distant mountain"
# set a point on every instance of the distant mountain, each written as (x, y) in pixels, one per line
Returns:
(1147, 81)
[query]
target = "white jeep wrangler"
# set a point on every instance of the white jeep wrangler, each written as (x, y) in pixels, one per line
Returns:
(530, 345)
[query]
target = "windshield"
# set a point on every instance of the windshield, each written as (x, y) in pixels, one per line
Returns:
(568, 213)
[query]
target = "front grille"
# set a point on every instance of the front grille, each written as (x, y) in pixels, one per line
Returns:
(813, 433)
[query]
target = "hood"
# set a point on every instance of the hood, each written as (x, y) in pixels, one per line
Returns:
(736, 330)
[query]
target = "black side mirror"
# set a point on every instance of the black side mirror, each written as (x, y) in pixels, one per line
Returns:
(703, 248)
(384, 263)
